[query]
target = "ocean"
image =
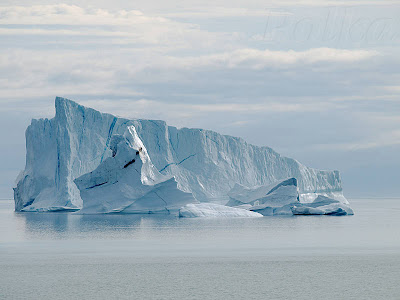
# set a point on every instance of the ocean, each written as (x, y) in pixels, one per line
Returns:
(72, 256)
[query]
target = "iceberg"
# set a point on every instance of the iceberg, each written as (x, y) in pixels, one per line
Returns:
(212, 210)
(203, 163)
(128, 182)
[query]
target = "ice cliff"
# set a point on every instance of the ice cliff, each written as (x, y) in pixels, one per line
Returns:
(78, 140)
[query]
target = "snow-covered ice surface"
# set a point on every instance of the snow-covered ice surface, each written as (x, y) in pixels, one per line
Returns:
(212, 210)
(128, 182)
(207, 164)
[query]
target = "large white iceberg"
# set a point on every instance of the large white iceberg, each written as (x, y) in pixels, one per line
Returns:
(207, 164)
(212, 210)
(128, 182)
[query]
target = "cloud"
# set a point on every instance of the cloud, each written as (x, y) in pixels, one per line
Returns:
(331, 3)
(64, 14)
(224, 12)
(122, 26)
(61, 32)
(145, 108)
(88, 70)
(258, 59)
(393, 89)
(382, 140)
(375, 130)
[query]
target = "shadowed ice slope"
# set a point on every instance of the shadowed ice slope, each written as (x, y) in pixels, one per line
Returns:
(128, 182)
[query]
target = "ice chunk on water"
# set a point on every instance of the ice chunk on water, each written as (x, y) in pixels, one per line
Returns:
(212, 210)
(323, 206)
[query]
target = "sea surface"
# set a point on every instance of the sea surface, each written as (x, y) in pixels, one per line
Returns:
(72, 256)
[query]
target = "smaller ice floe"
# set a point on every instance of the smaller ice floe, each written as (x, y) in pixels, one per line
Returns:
(211, 210)
(275, 199)
(323, 206)
(128, 182)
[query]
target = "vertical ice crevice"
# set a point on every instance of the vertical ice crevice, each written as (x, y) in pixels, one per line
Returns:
(110, 132)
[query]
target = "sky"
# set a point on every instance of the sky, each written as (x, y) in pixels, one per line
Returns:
(318, 81)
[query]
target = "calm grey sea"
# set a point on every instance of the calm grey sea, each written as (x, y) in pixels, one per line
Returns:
(71, 256)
